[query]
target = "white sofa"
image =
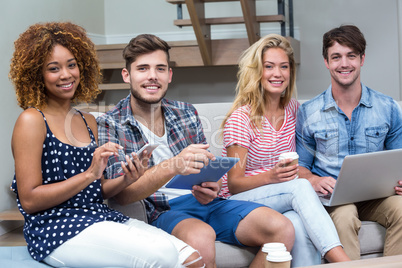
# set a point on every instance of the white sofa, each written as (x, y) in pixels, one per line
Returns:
(371, 235)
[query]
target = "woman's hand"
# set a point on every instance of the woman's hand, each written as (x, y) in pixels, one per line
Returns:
(281, 172)
(135, 166)
(100, 157)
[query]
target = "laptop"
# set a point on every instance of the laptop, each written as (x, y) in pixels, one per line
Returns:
(365, 177)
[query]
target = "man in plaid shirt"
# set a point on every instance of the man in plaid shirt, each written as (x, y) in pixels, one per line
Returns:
(197, 217)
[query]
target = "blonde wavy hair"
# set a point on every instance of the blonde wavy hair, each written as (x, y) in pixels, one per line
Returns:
(249, 89)
(31, 51)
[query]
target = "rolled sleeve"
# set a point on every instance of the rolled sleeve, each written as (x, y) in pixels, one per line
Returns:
(394, 136)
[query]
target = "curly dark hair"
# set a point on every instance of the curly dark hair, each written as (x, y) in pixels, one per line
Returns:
(31, 51)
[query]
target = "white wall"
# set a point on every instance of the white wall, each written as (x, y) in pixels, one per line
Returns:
(377, 19)
(16, 16)
(117, 21)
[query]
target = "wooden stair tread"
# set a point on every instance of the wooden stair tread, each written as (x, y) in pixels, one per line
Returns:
(13, 238)
(231, 20)
(114, 86)
(11, 215)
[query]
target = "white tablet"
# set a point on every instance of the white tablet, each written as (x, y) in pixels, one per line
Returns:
(212, 172)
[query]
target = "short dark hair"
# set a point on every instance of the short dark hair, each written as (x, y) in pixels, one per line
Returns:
(345, 35)
(144, 44)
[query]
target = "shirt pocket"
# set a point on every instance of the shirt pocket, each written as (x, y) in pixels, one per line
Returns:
(327, 142)
(375, 137)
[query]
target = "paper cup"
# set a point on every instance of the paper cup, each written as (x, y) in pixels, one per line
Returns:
(290, 155)
(278, 259)
(272, 247)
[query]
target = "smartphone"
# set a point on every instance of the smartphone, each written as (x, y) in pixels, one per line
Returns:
(148, 147)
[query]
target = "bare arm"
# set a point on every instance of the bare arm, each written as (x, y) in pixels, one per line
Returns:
(27, 145)
(237, 182)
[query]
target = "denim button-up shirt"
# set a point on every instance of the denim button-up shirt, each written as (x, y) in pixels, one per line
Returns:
(325, 135)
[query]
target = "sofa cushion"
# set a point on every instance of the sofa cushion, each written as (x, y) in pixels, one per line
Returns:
(211, 116)
(372, 237)
(230, 256)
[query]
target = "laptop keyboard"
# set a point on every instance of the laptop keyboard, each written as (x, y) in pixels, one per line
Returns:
(325, 196)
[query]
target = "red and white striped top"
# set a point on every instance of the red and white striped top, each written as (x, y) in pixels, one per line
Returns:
(263, 150)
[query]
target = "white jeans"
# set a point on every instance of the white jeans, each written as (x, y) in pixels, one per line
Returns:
(130, 244)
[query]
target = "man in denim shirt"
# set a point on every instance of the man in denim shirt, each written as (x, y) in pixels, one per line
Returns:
(350, 118)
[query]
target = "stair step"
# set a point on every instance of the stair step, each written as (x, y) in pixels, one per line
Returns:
(231, 20)
(11, 215)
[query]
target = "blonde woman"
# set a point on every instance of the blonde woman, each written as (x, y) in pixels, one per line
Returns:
(258, 128)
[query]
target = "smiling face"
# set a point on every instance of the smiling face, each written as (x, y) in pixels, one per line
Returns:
(344, 66)
(149, 77)
(276, 71)
(61, 74)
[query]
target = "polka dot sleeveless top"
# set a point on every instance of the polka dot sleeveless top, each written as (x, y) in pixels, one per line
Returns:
(46, 230)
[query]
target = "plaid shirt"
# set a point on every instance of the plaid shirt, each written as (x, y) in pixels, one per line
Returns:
(183, 128)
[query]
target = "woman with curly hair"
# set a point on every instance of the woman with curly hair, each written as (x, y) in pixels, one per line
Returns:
(59, 167)
(258, 128)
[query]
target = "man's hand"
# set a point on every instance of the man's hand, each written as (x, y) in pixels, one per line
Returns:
(192, 159)
(322, 185)
(207, 192)
(398, 189)
(134, 166)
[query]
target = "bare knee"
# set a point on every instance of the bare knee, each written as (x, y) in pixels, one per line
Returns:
(204, 234)
(194, 260)
(284, 231)
(200, 236)
(264, 225)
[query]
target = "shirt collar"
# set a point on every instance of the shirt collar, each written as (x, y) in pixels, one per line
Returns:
(329, 101)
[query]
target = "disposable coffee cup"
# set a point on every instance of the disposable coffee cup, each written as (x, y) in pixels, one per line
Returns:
(272, 247)
(290, 155)
(278, 259)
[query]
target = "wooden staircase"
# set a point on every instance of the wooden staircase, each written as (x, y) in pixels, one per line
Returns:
(204, 51)
(202, 25)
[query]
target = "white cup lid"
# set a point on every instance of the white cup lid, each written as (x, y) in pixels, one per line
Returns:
(279, 256)
(275, 246)
(288, 155)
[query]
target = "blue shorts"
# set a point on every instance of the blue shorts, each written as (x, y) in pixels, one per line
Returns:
(221, 214)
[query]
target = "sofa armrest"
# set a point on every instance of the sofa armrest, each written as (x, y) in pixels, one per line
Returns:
(134, 210)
